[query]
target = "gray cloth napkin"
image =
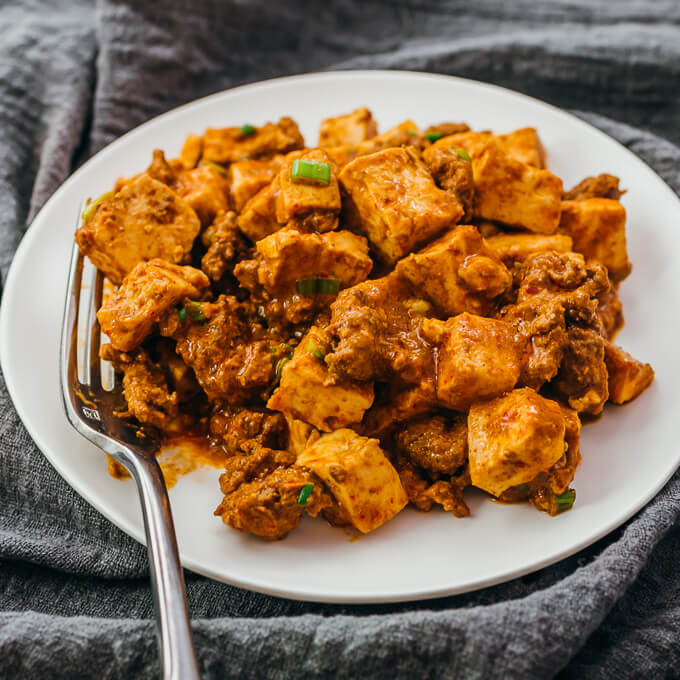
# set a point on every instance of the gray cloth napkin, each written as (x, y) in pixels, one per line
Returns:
(74, 592)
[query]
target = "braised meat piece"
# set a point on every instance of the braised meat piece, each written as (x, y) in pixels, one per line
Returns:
(436, 443)
(268, 506)
(375, 334)
(423, 493)
(453, 173)
(446, 129)
(556, 290)
(232, 430)
(602, 186)
(225, 245)
(142, 221)
(217, 341)
(145, 387)
(582, 379)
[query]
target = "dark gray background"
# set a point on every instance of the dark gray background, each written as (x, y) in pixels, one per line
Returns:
(74, 593)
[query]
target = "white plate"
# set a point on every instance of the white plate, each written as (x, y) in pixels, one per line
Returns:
(627, 455)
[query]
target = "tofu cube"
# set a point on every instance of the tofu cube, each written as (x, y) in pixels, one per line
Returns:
(457, 272)
(511, 248)
(473, 142)
(227, 145)
(597, 227)
(513, 438)
(148, 292)
(306, 392)
(359, 475)
(144, 220)
(204, 189)
(515, 193)
(246, 178)
(393, 199)
(628, 377)
(348, 130)
(523, 145)
(477, 358)
(191, 151)
(405, 133)
(289, 255)
(258, 217)
(308, 206)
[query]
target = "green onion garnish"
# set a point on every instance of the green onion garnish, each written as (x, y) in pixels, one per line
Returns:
(182, 315)
(89, 211)
(247, 130)
(411, 133)
(194, 310)
(565, 500)
(216, 166)
(310, 171)
(305, 493)
(317, 286)
(462, 153)
(279, 368)
(317, 354)
(433, 136)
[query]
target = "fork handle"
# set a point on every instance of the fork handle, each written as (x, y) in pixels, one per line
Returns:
(178, 658)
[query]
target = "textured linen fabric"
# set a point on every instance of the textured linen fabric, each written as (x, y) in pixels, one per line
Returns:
(74, 591)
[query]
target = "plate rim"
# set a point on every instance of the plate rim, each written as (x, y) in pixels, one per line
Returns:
(267, 588)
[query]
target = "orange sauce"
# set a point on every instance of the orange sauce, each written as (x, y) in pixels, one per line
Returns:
(179, 455)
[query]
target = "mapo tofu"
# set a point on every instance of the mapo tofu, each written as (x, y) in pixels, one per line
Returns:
(385, 319)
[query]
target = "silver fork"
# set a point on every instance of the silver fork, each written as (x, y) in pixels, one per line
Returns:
(90, 406)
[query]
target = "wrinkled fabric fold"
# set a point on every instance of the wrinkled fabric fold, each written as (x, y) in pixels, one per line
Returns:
(74, 592)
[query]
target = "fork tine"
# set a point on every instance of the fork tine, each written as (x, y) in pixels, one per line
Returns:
(69, 340)
(95, 330)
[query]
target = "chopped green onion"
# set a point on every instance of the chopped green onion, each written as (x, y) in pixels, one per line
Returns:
(305, 493)
(216, 166)
(462, 153)
(565, 500)
(195, 311)
(310, 171)
(317, 354)
(317, 286)
(411, 133)
(182, 315)
(433, 136)
(279, 368)
(248, 130)
(89, 211)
